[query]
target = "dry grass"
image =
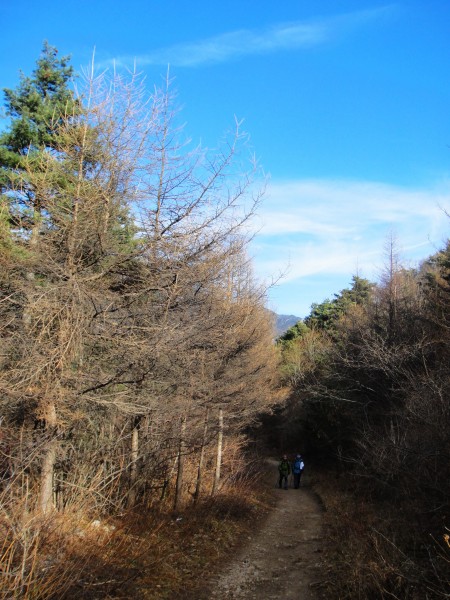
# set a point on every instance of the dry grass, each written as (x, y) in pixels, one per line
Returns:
(374, 551)
(40, 556)
(148, 553)
(173, 555)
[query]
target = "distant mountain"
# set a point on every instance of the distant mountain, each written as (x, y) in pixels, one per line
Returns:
(283, 322)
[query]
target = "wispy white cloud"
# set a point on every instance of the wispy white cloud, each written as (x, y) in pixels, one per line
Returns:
(244, 42)
(350, 205)
(323, 227)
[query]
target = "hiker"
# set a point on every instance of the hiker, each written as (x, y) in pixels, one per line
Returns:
(284, 469)
(297, 469)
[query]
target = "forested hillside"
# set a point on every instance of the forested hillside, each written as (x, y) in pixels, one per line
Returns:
(134, 339)
(371, 383)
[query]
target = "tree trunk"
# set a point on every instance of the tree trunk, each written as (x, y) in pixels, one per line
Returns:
(46, 504)
(167, 478)
(134, 461)
(219, 454)
(180, 465)
(201, 459)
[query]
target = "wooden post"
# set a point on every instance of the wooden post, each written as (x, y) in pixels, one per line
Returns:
(219, 454)
(201, 459)
(134, 461)
(180, 464)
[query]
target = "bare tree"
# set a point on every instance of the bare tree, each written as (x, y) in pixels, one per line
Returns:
(142, 306)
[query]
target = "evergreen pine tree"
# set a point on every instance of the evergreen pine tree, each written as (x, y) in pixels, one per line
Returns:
(36, 108)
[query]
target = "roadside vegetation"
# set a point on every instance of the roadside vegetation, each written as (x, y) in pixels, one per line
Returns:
(135, 345)
(370, 402)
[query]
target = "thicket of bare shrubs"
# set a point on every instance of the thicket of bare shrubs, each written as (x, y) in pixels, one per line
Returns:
(134, 339)
(372, 402)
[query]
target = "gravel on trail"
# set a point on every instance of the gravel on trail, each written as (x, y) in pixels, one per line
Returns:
(283, 559)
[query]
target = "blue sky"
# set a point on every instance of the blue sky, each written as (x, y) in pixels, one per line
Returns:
(347, 104)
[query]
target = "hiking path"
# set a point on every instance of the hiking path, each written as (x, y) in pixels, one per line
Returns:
(282, 559)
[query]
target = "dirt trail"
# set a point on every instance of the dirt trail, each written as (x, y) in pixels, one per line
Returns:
(282, 560)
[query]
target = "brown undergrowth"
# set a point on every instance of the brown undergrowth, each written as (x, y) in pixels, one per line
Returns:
(150, 553)
(154, 554)
(376, 550)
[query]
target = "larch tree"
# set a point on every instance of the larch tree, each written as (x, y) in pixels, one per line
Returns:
(135, 320)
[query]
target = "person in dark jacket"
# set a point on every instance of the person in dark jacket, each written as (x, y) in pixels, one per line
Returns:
(284, 469)
(297, 469)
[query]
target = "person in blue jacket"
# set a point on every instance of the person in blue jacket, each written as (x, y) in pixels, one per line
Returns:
(297, 469)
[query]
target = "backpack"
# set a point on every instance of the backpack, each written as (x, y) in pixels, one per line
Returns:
(299, 465)
(283, 467)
